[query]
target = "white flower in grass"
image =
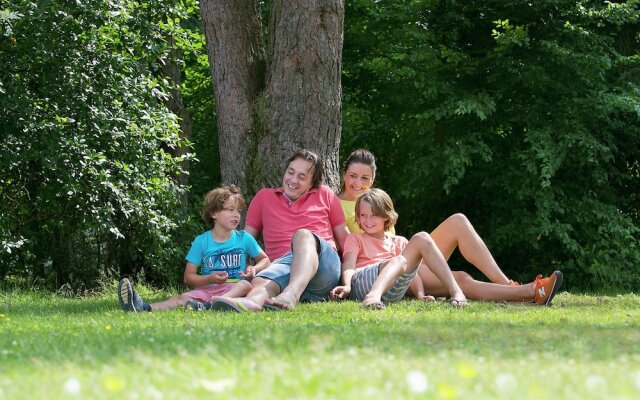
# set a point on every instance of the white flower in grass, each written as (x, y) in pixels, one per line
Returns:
(596, 383)
(154, 393)
(417, 381)
(636, 379)
(218, 386)
(506, 383)
(72, 386)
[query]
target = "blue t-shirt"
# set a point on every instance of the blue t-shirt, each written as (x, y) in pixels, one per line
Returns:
(229, 256)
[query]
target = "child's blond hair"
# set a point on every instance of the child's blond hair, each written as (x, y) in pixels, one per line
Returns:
(381, 205)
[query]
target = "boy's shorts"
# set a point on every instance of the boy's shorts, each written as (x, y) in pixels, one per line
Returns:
(206, 292)
(364, 277)
(326, 278)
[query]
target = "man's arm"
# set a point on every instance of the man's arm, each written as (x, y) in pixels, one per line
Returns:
(340, 233)
(252, 231)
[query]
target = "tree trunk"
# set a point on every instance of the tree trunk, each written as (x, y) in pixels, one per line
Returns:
(269, 107)
(233, 30)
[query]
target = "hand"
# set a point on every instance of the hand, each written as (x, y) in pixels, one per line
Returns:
(220, 277)
(249, 274)
(339, 293)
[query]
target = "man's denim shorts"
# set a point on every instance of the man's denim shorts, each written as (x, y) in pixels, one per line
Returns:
(326, 278)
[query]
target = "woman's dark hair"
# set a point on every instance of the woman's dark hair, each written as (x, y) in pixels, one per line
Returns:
(359, 156)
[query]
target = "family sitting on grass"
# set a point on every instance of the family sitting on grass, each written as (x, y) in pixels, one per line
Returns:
(303, 225)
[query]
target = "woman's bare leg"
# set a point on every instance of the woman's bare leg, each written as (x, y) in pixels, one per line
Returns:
(476, 290)
(457, 231)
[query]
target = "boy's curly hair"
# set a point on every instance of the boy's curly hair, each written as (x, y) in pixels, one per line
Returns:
(215, 199)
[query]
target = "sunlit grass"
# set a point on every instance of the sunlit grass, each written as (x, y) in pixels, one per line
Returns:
(582, 347)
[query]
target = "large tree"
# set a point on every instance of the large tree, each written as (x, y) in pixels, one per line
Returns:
(277, 87)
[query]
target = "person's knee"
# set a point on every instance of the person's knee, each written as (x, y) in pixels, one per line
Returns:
(462, 278)
(244, 286)
(261, 286)
(258, 283)
(425, 240)
(397, 263)
(459, 219)
(304, 239)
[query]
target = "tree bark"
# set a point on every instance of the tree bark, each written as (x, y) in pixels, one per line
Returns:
(233, 30)
(269, 106)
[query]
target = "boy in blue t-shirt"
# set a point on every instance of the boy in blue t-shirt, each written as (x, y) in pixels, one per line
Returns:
(217, 261)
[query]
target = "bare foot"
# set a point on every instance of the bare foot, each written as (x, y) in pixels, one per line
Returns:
(281, 302)
(427, 298)
(372, 305)
(459, 302)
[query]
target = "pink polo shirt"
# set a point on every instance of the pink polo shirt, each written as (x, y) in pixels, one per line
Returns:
(371, 250)
(271, 213)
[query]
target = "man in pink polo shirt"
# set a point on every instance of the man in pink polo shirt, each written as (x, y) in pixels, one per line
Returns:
(302, 225)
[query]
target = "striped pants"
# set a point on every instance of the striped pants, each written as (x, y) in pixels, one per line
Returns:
(364, 277)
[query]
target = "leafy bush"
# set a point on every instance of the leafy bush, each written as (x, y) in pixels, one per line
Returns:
(85, 187)
(525, 116)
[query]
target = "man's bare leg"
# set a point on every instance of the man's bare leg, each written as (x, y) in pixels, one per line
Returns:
(303, 268)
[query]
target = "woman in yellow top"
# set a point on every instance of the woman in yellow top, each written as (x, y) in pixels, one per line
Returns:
(357, 177)
(359, 171)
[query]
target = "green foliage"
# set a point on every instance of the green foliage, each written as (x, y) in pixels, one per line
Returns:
(58, 348)
(199, 98)
(84, 184)
(525, 116)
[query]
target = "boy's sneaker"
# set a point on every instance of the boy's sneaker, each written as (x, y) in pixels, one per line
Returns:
(546, 288)
(128, 297)
(195, 305)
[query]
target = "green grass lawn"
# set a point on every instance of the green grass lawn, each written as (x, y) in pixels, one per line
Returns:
(583, 347)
